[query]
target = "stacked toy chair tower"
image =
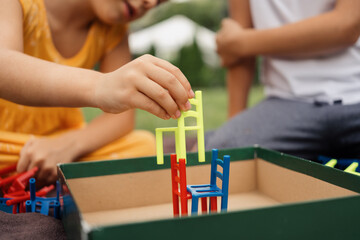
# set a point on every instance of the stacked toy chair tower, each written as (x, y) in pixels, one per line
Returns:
(180, 190)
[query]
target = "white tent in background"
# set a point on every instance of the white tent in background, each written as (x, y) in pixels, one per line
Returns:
(170, 35)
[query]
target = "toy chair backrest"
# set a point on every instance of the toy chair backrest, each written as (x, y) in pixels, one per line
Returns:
(224, 176)
(180, 138)
(178, 175)
(199, 127)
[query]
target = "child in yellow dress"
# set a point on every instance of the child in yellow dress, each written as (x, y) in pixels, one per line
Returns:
(46, 50)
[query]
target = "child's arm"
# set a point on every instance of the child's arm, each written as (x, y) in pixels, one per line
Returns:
(31, 81)
(108, 127)
(311, 37)
(240, 75)
(46, 152)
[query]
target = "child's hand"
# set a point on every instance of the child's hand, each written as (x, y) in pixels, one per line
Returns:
(45, 153)
(148, 83)
(228, 41)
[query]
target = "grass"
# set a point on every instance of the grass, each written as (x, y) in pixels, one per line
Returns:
(215, 110)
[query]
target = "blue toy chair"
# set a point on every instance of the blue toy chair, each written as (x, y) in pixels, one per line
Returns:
(212, 190)
(43, 205)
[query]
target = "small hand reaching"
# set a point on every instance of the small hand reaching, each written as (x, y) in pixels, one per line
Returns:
(147, 83)
(45, 153)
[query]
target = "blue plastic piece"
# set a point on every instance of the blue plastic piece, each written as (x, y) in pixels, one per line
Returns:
(43, 205)
(212, 190)
(4, 207)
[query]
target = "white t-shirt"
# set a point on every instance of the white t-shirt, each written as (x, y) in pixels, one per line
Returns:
(328, 77)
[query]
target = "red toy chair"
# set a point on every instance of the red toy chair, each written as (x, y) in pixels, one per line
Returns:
(178, 177)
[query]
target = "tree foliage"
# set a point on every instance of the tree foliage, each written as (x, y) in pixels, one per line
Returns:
(191, 63)
(207, 13)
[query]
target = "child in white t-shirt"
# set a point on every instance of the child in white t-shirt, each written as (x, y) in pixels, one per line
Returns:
(311, 73)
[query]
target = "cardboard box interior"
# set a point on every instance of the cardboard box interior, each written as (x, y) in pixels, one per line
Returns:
(144, 196)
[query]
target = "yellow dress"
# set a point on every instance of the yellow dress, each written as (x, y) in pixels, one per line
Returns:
(18, 123)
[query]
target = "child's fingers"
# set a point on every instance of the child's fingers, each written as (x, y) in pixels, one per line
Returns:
(159, 95)
(228, 22)
(23, 164)
(47, 174)
(36, 163)
(174, 71)
(24, 159)
(223, 25)
(168, 81)
(145, 103)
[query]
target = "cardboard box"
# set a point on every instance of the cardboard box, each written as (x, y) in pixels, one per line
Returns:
(271, 196)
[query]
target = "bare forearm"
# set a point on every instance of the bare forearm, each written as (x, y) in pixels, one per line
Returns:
(101, 131)
(239, 76)
(239, 79)
(31, 81)
(322, 34)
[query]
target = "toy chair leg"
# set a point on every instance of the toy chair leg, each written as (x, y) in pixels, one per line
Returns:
(224, 203)
(28, 206)
(175, 205)
(204, 205)
(184, 206)
(194, 205)
(174, 186)
(18, 208)
(15, 206)
(57, 210)
(213, 204)
(22, 208)
(183, 191)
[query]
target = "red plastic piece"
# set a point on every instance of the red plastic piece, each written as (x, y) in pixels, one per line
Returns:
(213, 204)
(19, 208)
(204, 205)
(178, 177)
(42, 192)
(15, 194)
(7, 170)
(21, 182)
(7, 181)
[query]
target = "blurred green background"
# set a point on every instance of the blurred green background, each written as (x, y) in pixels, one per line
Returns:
(209, 78)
